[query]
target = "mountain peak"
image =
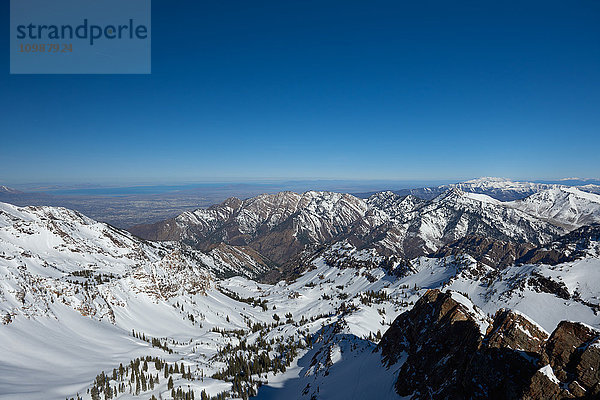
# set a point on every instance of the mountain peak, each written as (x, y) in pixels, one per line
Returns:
(459, 193)
(568, 206)
(487, 179)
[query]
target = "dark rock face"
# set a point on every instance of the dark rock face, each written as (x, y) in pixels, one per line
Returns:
(506, 359)
(547, 285)
(443, 353)
(487, 250)
(573, 352)
(514, 331)
(587, 371)
(543, 387)
(281, 226)
(278, 226)
(437, 338)
(569, 247)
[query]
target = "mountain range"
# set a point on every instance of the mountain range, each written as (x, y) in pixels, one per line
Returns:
(283, 226)
(498, 188)
(319, 295)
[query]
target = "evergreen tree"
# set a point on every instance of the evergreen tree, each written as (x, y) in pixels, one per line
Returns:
(138, 386)
(108, 391)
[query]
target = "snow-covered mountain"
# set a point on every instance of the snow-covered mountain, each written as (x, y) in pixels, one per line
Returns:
(91, 311)
(567, 206)
(394, 205)
(591, 188)
(278, 226)
(454, 215)
(49, 254)
(283, 226)
(499, 188)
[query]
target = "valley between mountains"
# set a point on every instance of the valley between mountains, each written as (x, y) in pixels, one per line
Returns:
(484, 289)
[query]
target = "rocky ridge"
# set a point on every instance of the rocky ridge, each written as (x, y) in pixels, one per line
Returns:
(282, 226)
(445, 348)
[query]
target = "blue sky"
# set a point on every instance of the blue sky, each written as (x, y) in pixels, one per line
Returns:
(323, 89)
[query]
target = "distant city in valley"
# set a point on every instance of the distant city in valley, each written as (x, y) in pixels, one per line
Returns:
(127, 205)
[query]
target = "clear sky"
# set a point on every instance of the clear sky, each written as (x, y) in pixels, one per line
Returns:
(323, 89)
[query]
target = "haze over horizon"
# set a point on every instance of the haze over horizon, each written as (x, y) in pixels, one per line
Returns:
(125, 188)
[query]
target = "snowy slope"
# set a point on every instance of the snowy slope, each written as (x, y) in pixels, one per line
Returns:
(498, 188)
(282, 226)
(501, 188)
(52, 254)
(450, 216)
(73, 291)
(68, 282)
(566, 206)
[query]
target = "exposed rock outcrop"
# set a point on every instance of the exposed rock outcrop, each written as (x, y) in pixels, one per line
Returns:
(489, 251)
(444, 348)
(281, 226)
(572, 246)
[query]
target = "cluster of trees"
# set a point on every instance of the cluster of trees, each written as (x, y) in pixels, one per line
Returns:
(345, 308)
(220, 396)
(180, 394)
(258, 326)
(239, 333)
(135, 378)
(250, 300)
(397, 267)
(370, 296)
(374, 338)
(392, 265)
(193, 319)
(369, 277)
(153, 341)
(341, 261)
(246, 360)
(99, 278)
